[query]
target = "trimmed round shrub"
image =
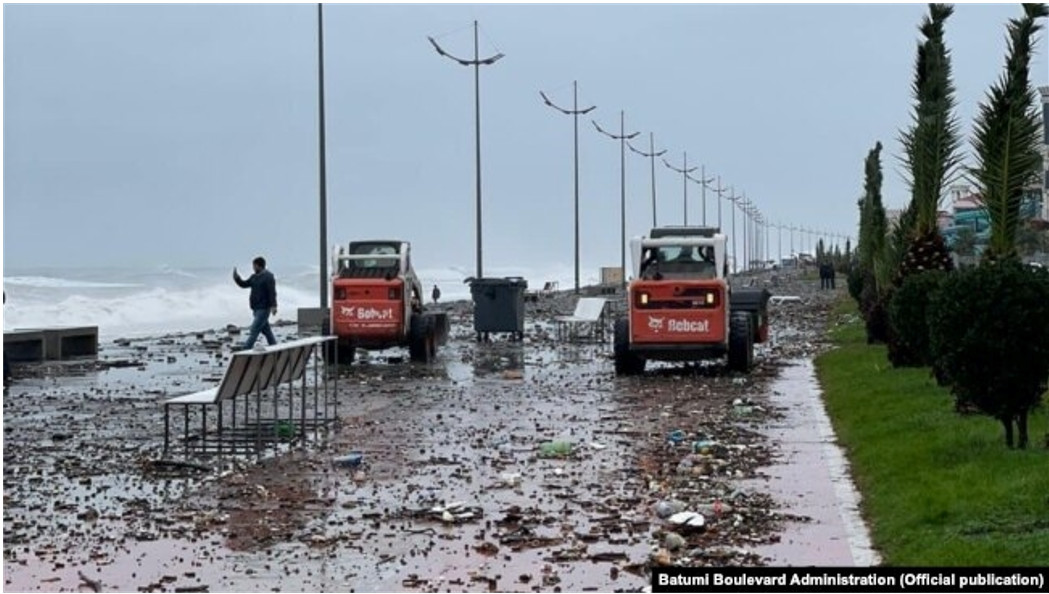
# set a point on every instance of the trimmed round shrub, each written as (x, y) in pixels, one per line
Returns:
(908, 343)
(989, 337)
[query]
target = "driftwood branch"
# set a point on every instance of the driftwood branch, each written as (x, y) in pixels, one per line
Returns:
(95, 585)
(158, 464)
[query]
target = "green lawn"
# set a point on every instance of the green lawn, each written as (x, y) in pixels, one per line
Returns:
(938, 488)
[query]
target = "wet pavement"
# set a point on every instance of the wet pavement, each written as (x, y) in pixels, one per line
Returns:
(503, 466)
(810, 476)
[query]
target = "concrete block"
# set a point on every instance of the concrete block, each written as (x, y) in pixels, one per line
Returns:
(311, 320)
(24, 346)
(68, 342)
(50, 344)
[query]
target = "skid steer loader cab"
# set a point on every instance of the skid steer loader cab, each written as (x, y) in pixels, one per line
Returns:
(681, 306)
(679, 297)
(373, 292)
(377, 302)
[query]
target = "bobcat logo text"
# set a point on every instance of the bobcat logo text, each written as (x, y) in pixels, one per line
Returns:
(682, 326)
(366, 313)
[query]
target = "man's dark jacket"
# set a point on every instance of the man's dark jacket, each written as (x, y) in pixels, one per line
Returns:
(263, 289)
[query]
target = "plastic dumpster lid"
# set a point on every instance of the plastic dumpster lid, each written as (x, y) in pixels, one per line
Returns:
(507, 280)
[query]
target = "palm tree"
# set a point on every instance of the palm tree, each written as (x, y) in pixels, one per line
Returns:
(1006, 138)
(931, 148)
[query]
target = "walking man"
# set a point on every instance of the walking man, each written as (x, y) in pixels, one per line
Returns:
(436, 293)
(263, 301)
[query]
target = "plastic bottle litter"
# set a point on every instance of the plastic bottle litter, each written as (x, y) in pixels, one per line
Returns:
(351, 460)
(687, 519)
(285, 430)
(703, 446)
(555, 449)
(666, 508)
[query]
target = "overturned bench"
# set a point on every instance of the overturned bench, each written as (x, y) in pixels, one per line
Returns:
(255, 377)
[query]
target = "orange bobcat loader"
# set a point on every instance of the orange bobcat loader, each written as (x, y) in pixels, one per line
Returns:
(377, 302)
(680, 306)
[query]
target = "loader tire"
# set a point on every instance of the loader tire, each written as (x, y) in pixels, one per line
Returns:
(626, 362)
(740, 342)
(422, 340)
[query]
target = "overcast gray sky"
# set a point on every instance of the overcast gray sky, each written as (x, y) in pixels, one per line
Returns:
(187, 134)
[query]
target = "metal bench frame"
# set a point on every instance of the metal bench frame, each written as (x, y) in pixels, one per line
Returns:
(251, 373)
(590, 314)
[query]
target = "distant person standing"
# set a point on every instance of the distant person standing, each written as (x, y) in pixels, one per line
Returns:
(263, 301)
(436, 294)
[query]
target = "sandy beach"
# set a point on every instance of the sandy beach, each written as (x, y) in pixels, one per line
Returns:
(86, 507)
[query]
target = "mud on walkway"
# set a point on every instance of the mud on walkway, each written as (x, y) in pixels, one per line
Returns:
(503, 466)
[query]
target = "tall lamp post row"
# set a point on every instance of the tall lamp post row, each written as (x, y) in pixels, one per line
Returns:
(755, 225)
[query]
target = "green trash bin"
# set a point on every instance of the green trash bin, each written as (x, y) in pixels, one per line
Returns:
(498, 306)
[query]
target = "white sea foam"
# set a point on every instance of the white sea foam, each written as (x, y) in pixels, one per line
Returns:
(48, 282)
(168, 299)
(150, 311)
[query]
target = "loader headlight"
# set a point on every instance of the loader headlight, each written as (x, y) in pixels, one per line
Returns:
(643, 299)
(710, 298)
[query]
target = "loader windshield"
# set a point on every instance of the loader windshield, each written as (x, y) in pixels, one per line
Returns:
(679, 261)
(371, 259)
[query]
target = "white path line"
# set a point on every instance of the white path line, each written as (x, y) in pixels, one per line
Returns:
(863, 553)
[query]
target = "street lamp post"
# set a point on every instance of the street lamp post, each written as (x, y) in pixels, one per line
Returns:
(703, 181)
(684, 171)
(651, 154)
(743, 204)
(759, 231)
(733, 199)
(575, 112)
(323, 158)
(720, 191)
(766, 227)
(622, 137)
(476, 63)
(759, 221)
(755, 236)
(779, 230)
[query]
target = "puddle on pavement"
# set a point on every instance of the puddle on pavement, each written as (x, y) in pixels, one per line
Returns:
(812, 480)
